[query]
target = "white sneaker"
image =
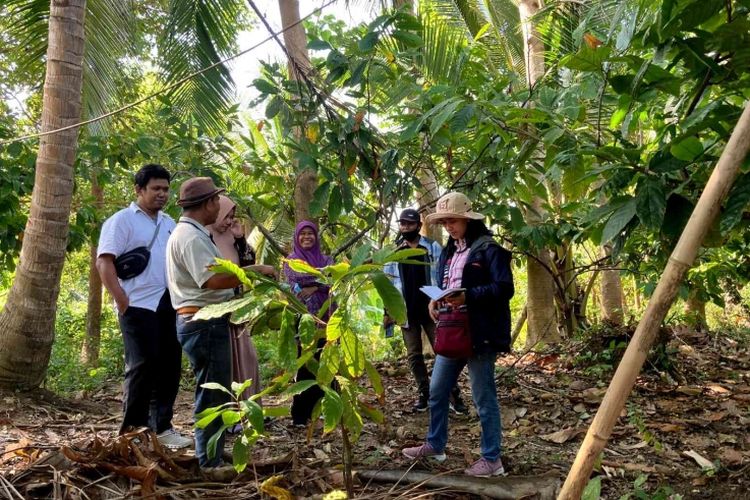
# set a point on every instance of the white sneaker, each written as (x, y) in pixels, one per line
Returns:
(173, 440)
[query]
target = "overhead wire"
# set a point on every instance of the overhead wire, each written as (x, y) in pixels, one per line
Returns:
(168, 87)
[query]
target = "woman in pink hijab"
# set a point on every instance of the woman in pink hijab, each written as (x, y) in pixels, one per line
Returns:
(229, 239)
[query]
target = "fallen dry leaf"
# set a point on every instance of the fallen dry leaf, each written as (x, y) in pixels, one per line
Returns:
(730, 456)
(668, 427)
(635, 446)
(727, 438)
(690, 391)
(563, 435)
(702, 461)
(716, 416)
(716, 388)
(594, 394)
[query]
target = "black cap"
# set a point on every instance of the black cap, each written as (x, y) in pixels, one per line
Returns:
(409, 215)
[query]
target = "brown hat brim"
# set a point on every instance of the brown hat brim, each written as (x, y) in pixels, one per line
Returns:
(191, 202)
(438, 216)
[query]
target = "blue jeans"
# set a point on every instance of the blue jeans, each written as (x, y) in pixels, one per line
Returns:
(482, 377)
(207, 345)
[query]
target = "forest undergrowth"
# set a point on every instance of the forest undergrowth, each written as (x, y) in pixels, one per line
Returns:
(682, 435)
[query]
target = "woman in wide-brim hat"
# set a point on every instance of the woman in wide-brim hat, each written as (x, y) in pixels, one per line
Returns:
(474, 261)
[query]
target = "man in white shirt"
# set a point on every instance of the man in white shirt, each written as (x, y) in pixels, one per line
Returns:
(153, 357)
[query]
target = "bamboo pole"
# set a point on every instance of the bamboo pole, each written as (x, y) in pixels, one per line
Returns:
(680, 261)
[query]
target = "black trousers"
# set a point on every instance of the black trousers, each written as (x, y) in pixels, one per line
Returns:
(303, 403)
(153, 360)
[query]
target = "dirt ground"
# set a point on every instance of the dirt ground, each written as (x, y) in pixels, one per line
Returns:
(684, 432)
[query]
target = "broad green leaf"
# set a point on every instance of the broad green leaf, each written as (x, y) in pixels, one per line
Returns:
(334, 326)
(445, 114)
(374, 377)
(361, 254)
(408, 39)
(320, 199)
(265, 87)
(216, 387)
(230, 417)
(368, 41)
(337, 271)
(240, 455)
(330, 359)
(211, 445)
(688, 149)
(239, 388)
(354, 353)
(301, 266)
(204, 421)
(223, 266)
(404, 255)
(335, 203)
(223, 308)
(370, 412)
(298, 388)
(618, 220)
(593, 489)
(460, 121)
(651, 202)
(274, 107)
(333, 409)
(663, 161)
(307, 329)
(318, 45)
(352, 420)
(392, 298)
(254, 413)
(587, 58)
(213, 410)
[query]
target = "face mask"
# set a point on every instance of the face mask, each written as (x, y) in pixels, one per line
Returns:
(411, 235)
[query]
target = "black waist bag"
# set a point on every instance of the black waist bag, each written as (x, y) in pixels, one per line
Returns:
(132, 263)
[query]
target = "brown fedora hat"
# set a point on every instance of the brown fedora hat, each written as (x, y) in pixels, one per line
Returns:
(197, 190)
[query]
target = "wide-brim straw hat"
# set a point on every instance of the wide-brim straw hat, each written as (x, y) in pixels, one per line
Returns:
(197, 190)
(453, 205)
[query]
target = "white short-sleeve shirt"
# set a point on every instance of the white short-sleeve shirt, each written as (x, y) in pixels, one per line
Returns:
(131, 228)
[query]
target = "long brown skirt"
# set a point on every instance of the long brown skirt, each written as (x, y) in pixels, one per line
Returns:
(244, 360)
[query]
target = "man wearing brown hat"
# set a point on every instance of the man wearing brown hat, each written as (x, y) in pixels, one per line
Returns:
(192, 285)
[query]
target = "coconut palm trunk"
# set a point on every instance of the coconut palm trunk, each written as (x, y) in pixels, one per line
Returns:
(27, 322)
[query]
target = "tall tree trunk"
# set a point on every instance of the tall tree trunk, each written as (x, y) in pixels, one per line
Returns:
(695, 309)
(28, 320)
(92, 341)
(540, 302)
(426, 198)
(612, 299)
(295, 40)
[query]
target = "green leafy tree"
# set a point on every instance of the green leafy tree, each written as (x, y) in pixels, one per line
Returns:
(343, 365)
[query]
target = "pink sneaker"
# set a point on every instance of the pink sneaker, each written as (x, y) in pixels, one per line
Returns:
(485, 468)
(424, 451)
